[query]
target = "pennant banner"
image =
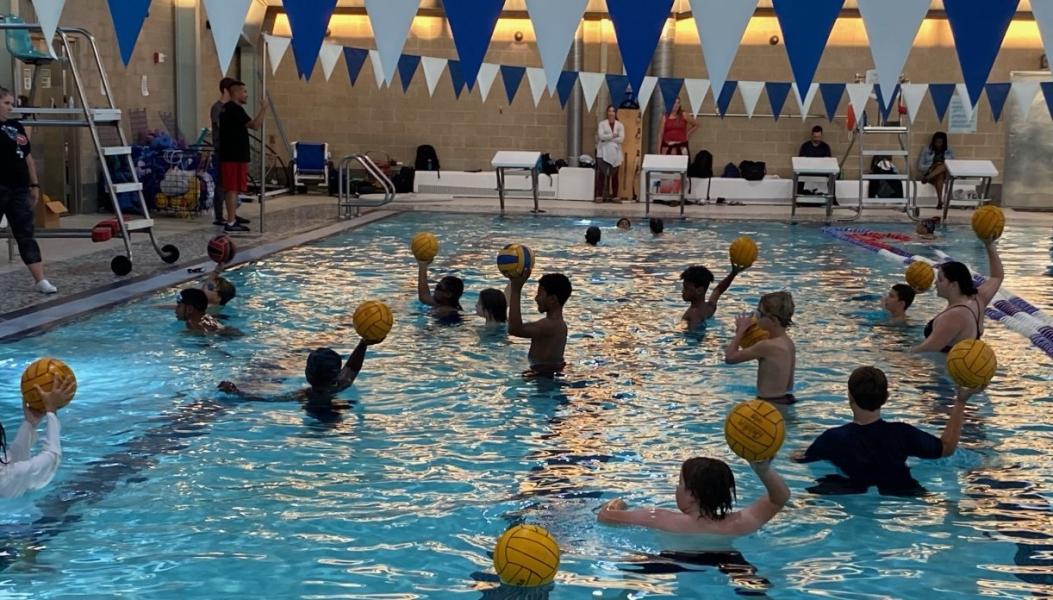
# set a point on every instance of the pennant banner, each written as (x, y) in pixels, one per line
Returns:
(806, 28)
(891, 28)
(1024, 93)
(941, 94)
(670, 88)
(858, 94)
(962, 91)
(391, 21)
(49, 12)
(886, 107)
(751, 93)
(721, 25)
(487, 74)
(638, 25)
(227, 20)
(806, 103)
(128, 17)
(538, 83)
(696, 93)
(329, 55)
(408, 64)
(590, 87)
(378, 69)
(433, 68)
(472, 23)
(724, 99)
(997, 93)
(308, 20)
(913, 95)
(646, 90)
(512, 77)
(978, 26)
(1042, 10)
(555, 25)
(1047, 91)
(832, 94)
(565, 86)
(618, 86)
(457, 77)
(777, 93)
(278, 46)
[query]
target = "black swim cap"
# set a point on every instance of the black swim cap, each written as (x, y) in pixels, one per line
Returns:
(323, 367)
(959, 273)
(592, 235)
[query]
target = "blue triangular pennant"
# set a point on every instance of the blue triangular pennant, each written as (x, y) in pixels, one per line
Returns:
(670, 87)
(886, 109)
(1047, 91)
(638, 25)
(777, 93)
(309, 21)
(941, 94)
(472, 24)
(979, 27)
(354, 58)
(617, 86)
(512, 77)
(565, 86)
(456, 77)
(997, 93)
(408, 64)
(726, 94)
(806, 28)
(128, 17)
(832, 94)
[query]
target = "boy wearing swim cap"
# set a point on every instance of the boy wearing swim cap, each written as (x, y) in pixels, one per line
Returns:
(548, 336)
(696, 282)
(870, 451)
(897, 301)
(776, 356)
(446, 301)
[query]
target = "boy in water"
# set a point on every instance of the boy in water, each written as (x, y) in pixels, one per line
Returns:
(218, 290)
(705, 496)
(593, 235)
(548, 336)
(873, 452)
(192, 308)
(446, 301)
(324, 373)
(776, 356)
(697, 280)
(897, 301)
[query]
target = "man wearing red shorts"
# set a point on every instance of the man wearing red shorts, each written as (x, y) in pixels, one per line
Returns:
(234, 152)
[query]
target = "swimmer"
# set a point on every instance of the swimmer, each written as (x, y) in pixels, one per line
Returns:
(593, 235)
(963, 319)
(218, 291)
(705, 495)
(926, 229)
(624, 224)
(192, 308)
(897, 301)
(548, 336)
(872, 452)
(657, 226)
(696, 282)
(446, 301)
(776, 356)
(492, 305)
(20, 472)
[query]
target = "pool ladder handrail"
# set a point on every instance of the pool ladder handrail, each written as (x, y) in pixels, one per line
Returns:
(348, 201)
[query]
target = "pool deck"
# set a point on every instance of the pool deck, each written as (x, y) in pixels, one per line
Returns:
(81, 271)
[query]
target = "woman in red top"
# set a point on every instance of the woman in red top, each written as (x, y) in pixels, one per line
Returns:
(677, 127)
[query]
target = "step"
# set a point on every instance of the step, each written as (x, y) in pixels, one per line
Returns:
(886, 129)
(117, 151)
(121, 188)
(885, 201)
(886, 153)
(139, 224)
(105, 115)
(880, 177)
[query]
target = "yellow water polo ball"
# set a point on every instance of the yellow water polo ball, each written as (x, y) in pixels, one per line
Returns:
(425, 246)
(743, 252)
(753, 335)
(42, 373)
(988, 222)
(971, 363)
(515, 259)
(526, 556)
(755, 430)
(373, 321)
(920, 275)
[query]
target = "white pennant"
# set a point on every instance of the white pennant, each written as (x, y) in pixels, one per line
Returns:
(751, 93)
(329, 55)
(806, 103)
(391, 21)
(433, 68)
(858, 95)
(913, 95)
(378, 68)
(891, 28)
(591, 84)
(537, 83)
(276, 49)
(646, 90)
(1024, 92)
(721, 25)
(962, 91)
(696, 93)
(48, 14)
(1042, 10)
(555, 25)
(487, 74)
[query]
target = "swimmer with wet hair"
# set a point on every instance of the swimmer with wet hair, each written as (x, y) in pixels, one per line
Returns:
(593, 235)
(657, 226)
(897, 301)
(548, 336)
(325, 373)
(926, 228)
(776, 356)
(696, 282)
(624, 224)
(492, 306)
(705, 497)
(192, 308)
(446, 300)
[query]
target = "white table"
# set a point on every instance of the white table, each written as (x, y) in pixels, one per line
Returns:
(984, 170)
(664, 164)
(826, 168)
(508, 160)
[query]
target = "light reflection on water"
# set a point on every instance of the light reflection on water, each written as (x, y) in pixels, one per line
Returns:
(444, 443)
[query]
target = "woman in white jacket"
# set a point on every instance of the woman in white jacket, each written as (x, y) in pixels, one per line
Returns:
(20, 472)
(609, 137)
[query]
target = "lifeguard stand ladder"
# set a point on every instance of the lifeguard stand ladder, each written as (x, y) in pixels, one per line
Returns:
(899, 155)
(21, 47)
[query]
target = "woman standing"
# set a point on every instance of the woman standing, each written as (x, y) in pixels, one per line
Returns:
(676, 129)
(609, 138)
(931, 162)
(20, 189)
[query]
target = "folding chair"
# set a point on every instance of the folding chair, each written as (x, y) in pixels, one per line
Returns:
(310, 163)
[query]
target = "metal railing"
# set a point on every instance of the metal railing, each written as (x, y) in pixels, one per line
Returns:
(349, 203)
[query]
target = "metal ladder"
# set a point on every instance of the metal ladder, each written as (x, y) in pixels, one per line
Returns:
(899, 154)
(93, 118)
(349, 204)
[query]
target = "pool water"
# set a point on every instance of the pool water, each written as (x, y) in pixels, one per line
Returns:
(169, 489)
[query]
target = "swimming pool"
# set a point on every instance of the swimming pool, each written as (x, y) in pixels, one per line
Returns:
(170, 490)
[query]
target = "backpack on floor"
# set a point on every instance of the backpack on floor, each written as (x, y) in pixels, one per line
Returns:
(427, 159)
(702, 166)
(731, 172)
(753, 170)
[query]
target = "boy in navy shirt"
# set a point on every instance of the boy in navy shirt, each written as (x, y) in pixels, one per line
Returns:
(873, 452)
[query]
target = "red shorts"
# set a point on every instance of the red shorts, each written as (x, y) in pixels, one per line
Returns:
(234, 176)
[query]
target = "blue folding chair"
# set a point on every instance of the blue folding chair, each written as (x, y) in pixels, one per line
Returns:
(310, 165)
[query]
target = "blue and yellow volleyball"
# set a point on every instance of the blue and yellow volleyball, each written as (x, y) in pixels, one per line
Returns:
(755, 430)
(971, 363)
(373, 321)
(526, 556)
(42, 373)
(514, 260)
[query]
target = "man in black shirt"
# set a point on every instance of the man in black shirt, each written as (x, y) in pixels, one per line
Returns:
(814, 148)
(215, 112)
(873, 452)
(234, 151)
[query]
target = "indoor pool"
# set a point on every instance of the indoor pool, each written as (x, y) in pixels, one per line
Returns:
(170, 489)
